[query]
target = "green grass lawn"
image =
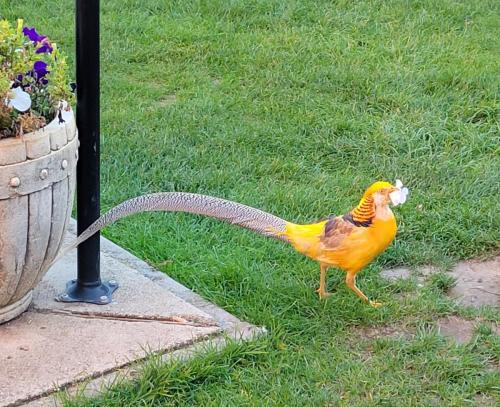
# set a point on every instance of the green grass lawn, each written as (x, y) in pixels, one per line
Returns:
(295, 107)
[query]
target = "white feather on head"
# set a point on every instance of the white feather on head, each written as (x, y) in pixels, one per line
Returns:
(399, 197)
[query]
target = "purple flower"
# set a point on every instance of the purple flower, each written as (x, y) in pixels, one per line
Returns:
(40, 68)
(37, 38)
(33, 35)
(44, 48)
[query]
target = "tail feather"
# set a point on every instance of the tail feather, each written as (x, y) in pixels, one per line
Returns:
(228, 211)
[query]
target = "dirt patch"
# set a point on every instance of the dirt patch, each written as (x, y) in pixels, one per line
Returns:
(398, 273)
(404, 273)
(365, 335)
(484, 400)
(477, 282)
(168, 100)
(386, 331)
(459, 329)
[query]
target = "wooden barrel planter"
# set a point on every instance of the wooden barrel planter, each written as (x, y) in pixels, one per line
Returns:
(37, 183)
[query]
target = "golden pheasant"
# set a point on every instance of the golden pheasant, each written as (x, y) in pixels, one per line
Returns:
(351, 241)
(348, 242)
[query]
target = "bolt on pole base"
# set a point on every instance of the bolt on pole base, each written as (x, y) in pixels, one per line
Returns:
(97, 294)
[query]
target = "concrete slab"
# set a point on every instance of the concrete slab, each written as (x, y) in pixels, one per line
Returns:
(41, 352)
(138, 297)
(60, 345)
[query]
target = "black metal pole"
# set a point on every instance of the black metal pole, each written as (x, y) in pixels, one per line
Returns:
(87, 122)
(88, 286)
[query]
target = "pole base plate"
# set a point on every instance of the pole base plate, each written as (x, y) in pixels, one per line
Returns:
(100, 294)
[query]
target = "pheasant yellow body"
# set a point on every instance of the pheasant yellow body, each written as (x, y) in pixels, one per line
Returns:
(354, 252)
(347, 242)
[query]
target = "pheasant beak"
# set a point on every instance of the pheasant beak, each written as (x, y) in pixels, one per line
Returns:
(398, 193)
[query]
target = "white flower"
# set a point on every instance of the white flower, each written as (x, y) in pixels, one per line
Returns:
(399, 197)
(19, 100)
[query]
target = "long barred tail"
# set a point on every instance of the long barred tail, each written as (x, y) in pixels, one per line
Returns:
(229, 211)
